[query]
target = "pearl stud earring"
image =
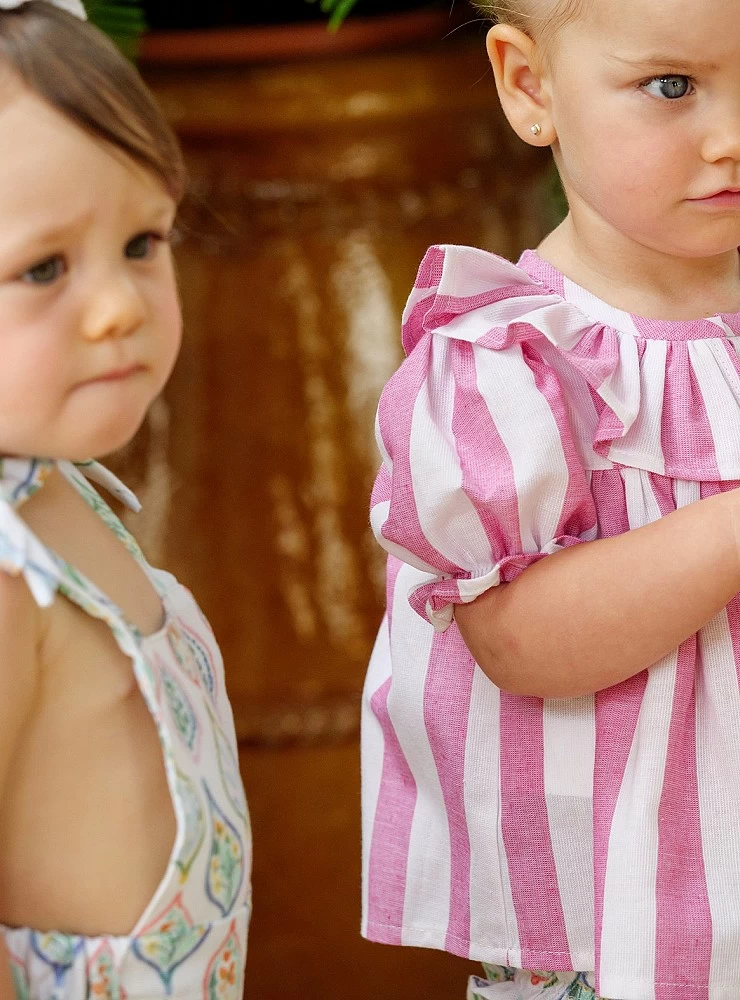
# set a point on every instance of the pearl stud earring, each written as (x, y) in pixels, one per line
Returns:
(536, 129)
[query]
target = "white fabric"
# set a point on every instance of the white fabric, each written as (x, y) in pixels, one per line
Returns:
(190, 942)
(71, 6)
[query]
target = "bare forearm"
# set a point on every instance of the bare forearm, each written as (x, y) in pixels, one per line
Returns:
(598, 613)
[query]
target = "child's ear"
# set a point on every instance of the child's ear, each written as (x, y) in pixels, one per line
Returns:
(516, 66)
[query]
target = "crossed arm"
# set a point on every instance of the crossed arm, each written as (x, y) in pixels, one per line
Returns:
(597, 613)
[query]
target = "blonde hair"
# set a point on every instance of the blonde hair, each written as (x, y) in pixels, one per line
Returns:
(540, 19)
(78, 71)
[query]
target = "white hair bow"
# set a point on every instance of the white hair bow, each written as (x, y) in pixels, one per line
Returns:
(71, 6)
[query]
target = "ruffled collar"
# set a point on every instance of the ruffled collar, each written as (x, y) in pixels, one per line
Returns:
(663, 396)
(598, 311)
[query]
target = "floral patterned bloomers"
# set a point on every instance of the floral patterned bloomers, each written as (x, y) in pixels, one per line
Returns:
(502, 983)
(190, 944)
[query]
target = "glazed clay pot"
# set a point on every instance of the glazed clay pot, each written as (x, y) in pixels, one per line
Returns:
(316, 188)
(317, 185)
(163, 15)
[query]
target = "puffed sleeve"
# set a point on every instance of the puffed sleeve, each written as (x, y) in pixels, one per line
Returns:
(481, 476)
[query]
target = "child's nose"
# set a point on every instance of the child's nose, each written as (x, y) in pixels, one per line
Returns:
(115, 309)
(722, 142)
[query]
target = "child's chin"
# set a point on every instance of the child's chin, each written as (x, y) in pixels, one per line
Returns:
(105, 442)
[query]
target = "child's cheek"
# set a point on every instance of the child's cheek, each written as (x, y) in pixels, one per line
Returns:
(170, 319)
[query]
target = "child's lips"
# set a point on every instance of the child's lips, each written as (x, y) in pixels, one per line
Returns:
(729, 197)
(115, 375)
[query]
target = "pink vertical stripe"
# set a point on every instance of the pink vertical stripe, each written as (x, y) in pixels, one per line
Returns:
(688, 442)
(486, 466)
(596, 355)
(428, 276)
(391, 832)
(431, 268)
(394, 813)
(578, 514)
(447, 694)
(617, 712)
(415, 325)
(663, 492)
(487, 471)
(526, 835)
(683, 917)
(395, 417)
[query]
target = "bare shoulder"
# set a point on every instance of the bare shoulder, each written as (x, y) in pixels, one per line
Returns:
(21, 635)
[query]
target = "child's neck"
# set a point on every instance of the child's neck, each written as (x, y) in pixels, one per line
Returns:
(641, 280)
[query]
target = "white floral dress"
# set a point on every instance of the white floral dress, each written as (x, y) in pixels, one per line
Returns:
(190, 943)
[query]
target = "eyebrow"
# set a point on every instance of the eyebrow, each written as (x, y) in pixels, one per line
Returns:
(658, 61)
(39, 240)
(159, 209)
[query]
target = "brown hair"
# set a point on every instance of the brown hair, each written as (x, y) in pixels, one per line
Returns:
(540, 19)
(80, 72)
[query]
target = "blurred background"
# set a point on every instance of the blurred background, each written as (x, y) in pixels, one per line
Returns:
(323, 165)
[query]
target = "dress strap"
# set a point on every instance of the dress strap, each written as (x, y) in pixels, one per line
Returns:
(20, 478)
(21, 552)
(98, 473)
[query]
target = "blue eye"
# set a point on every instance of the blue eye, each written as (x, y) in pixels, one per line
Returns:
(672, 88)
(143, 247)
(46, 272)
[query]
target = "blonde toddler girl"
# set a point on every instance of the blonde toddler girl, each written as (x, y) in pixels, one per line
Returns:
(552, 713)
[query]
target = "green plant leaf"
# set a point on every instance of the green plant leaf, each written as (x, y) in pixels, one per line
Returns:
(122, 20)
(338, 9)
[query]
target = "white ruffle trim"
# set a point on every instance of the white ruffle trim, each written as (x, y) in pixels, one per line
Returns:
(667, 402)
(71, 6)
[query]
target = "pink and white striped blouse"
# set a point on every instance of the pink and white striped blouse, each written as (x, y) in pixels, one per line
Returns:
(600, 832)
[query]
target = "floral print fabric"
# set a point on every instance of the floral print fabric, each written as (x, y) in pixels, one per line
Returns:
(190, 944)
(501, 983)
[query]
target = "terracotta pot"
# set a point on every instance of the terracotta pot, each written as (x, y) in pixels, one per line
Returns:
(164, 15)
(274, 42)
(316, 188)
